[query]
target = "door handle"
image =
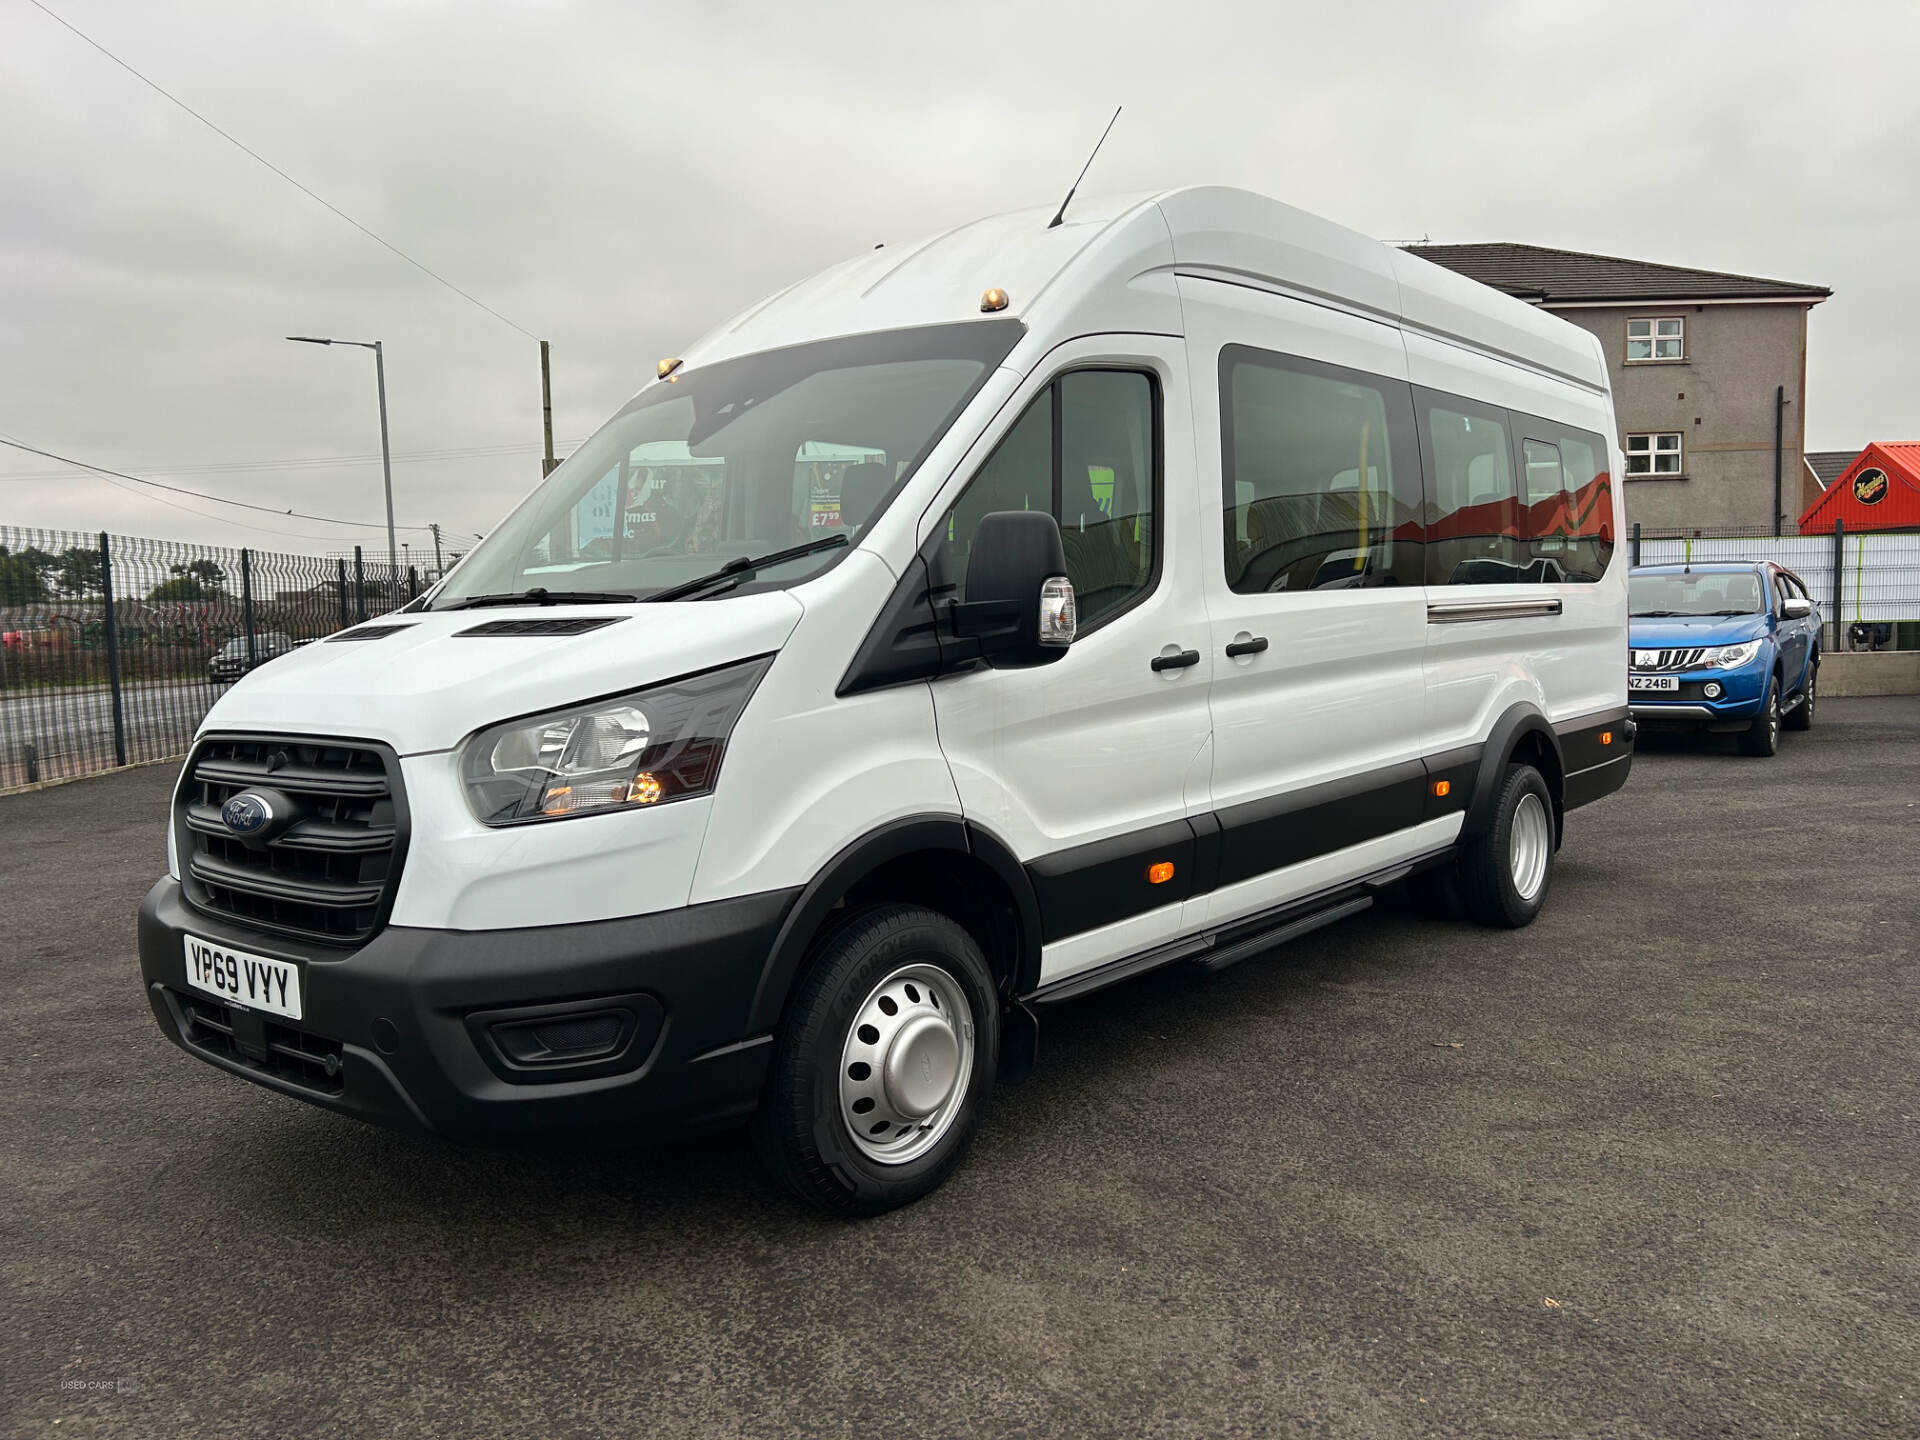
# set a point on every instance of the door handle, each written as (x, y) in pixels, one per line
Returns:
(1177, 661)
(1252, 646)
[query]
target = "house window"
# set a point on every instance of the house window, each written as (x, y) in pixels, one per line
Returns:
(1657, 338)
(1657, 454)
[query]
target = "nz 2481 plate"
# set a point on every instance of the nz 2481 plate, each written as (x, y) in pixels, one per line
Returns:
(1653, 682)
(254, 982)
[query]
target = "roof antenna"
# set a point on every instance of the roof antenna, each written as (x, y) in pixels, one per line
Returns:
(1061, 213)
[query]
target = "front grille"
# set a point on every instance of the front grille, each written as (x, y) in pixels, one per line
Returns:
(1688, 659)
(270, 1048)
(330, 874)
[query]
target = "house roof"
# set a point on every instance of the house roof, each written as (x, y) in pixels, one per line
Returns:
(1828, 465)
(1880, 490)
(1562, 277)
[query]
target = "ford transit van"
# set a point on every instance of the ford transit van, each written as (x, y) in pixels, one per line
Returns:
(976, 624)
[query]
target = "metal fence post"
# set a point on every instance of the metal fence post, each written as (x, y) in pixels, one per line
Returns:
(360, 582)
(344, 621)
(246, 606)
(413, 582)
(1839, 550)
(1634, 557)
(113, 652)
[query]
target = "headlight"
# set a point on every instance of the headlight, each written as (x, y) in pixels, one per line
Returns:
(652, 747)
(1730, 657)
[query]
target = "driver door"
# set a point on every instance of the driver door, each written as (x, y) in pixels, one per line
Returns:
(1088, 769)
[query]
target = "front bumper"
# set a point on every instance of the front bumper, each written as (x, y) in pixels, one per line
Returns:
(402, 1030)
(1743, 696)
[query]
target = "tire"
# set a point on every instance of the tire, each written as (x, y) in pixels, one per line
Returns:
(1801, 716)
(934, 978)
(1762, 738)
(1505, 872)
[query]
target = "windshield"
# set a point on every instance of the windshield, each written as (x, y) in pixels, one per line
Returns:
(1724, 593)
(742, 458)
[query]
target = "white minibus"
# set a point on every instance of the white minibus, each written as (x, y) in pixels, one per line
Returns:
(981, 622)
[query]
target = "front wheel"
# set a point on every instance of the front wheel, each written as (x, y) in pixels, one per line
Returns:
(1762, 738)
(883, 1063)
(1505, 871)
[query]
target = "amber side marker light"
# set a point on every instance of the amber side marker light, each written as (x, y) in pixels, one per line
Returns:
(1160, 873)
(1606, 737)
(994, 299)
(1442, 788)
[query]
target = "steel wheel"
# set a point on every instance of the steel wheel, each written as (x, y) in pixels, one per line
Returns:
(905, 1064)
(1529, 846)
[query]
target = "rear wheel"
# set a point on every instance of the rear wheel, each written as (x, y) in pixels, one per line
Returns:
(883, 1063)
(1801, 716)
(1505, 871)
(1762, 738)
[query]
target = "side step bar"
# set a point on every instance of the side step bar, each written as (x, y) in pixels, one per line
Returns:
(1220, 957)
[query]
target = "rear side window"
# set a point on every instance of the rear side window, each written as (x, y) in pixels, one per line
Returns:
(1086, 450)
(1474, 513)
(1568, 518)
(1320, 476)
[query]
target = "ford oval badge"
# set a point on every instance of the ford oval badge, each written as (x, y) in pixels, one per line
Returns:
(247, 813)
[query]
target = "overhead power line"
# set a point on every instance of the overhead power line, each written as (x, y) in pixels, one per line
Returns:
(102, 471)
(317, 462)
(255, 154)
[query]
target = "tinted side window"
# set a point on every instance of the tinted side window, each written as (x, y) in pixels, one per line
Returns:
(1474, 534)
(1319, 474)
(1568, 519)
(1086, 451)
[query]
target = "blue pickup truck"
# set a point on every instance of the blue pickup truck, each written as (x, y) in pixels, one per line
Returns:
(1726, 647)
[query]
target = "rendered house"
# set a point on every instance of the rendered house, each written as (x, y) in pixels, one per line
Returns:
(1709, 376)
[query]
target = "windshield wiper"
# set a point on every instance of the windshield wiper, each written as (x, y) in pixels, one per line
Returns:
(1654, 615)
(539, 595)
(1734, 612)
(742, 568)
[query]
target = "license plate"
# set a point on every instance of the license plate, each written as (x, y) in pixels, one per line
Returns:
(1653, 682)
(253, 982)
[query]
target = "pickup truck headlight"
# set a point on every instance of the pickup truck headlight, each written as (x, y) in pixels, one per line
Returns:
(652, 747)
(1731, 657)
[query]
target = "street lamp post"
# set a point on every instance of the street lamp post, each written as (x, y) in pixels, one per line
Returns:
(386, 455)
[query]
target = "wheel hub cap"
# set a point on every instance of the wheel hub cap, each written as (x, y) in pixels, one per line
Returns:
(922, 1064)
(1530, 846)
(906, 1062)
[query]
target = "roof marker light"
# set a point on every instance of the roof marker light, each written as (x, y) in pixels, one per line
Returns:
(668, 366)
(994, 299)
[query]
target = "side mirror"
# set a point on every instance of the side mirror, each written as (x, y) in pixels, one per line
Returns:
(1020, 607)
(1797, 609)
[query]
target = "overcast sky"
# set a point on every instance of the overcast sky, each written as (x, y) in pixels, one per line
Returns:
(618, 177)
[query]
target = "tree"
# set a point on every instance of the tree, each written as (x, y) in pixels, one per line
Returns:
(81, 572)
(195, 580)
(205, 571)
(23, 575)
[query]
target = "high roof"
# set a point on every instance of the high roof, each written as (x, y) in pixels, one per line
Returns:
(1116, 264)
(1564, 277)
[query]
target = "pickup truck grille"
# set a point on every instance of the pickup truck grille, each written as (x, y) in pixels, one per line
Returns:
(329, 874)
(1649, 662)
